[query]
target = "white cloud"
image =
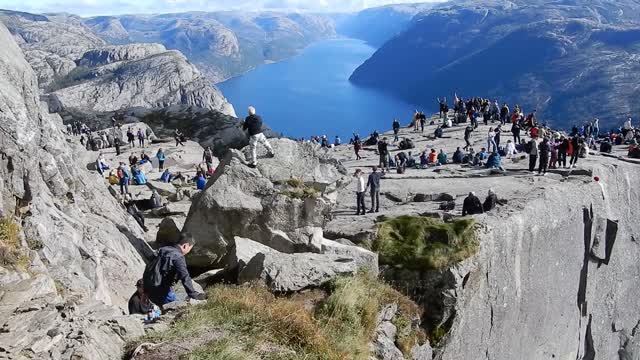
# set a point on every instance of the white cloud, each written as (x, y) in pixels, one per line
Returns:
(113, 7)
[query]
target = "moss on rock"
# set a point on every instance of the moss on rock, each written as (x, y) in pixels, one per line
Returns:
(421, 243)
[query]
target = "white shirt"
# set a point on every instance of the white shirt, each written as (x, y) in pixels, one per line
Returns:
(449, 123)
(360, 184)
(627, 125)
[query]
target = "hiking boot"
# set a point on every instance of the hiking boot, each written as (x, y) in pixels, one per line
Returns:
(271, 155)
(370, 211)
(253, 166)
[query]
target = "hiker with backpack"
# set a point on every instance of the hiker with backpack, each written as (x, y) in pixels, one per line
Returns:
(167, 268)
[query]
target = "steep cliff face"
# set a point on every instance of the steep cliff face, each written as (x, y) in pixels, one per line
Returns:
(144, 75)
(570, 59)
(51, 47)
(558, 277)
(83, 73)
(221, 44)
(389, 21)
(70, 265)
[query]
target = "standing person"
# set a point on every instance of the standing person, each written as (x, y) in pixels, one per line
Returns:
(179, 137)
(504, 114)
(360, 191)
(423, 121)
(131, 138)
(207, 157)
(515, 130)
(116, 143)
(576, 144)
(383, 151)
(467, 134)
(533, 154)
(496, 138)
(141, 136)
(553, 145)
(373, 184)
(396, 129)
(563, 148)
(161, 158)
(253, 123)
(491, 142)
(124, 176)
(543, 151)
(596, 128)
(166, 269)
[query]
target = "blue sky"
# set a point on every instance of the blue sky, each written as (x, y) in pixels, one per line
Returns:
(114, 7)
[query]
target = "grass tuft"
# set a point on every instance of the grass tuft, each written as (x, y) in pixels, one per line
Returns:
(297, 189)
(421, 243)
(11, 253)
(338, 326)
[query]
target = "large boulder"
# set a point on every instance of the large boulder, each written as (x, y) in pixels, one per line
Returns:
(252, 261)
(283, 203)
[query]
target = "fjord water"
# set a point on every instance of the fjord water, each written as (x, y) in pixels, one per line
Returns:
(310, 94)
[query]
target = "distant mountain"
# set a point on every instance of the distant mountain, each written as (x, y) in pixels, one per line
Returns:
(221, 44)
(379, 24)
(78, 70)
(571, 59)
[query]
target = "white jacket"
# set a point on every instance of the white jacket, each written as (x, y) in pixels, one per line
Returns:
(360, 184)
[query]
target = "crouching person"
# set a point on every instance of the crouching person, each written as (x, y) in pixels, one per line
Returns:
(169, 267)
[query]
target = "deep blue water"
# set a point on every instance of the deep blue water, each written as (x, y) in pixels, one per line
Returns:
(310, 94)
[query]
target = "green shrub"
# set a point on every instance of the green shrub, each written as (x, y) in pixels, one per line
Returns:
(421, 243)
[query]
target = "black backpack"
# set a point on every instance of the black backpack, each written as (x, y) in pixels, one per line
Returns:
(153, 273)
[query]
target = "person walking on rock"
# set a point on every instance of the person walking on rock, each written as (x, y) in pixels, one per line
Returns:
(166, 269)
(253, 124)
(373, 185)
(207, 157)
(360, 191)
(396, 130)
(179, 137)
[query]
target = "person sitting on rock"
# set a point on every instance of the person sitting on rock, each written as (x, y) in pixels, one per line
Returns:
(113, 177)
(411, 161)
(511, 149)
(201, 181)
(253, 124)
(483, 154)
(133, 210)
(442, 158)
(166, 269)
(424, 160)
(438, 133)
(144, 158)
(166, 176)
(101, 164)
(337, 141)
(133, 159)
(156, 200)
(433, 157)
(472, 205)
(138, 176)
(494, 161)
(139, 302)
(458, 156)
(401, 162)
(606, 147)
(490, 202)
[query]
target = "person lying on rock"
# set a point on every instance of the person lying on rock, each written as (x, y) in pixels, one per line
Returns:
(472, 205)
(253, 124)
(169, 267)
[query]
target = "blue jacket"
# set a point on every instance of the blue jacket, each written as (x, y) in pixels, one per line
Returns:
(494, 161)
(201, 183)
